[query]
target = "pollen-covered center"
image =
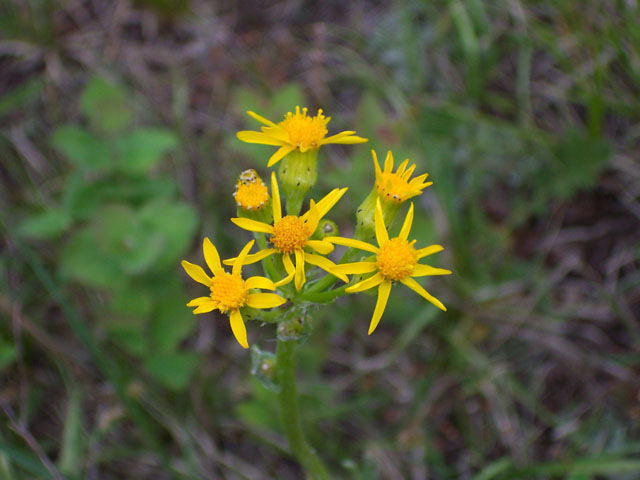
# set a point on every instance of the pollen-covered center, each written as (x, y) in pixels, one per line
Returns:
(392, 187)
(305, 132)
(228, 291)
(396, 259)
(290, 233)
(251, 193)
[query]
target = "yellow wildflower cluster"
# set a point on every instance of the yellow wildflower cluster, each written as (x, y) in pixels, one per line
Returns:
(293, 243)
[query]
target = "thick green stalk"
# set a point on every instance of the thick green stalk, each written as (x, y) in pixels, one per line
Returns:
(289, 413)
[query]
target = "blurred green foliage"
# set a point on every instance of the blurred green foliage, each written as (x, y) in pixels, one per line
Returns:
(123, 230)
(517, 110)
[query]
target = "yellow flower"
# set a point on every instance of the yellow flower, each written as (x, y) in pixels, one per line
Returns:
(251, 192)
(229, 292)
(291, 234)
(396, 260)
(296, 131)
(396, 186)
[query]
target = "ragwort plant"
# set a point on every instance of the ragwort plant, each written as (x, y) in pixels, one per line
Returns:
(292, 245)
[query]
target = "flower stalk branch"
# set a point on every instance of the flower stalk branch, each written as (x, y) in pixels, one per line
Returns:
(290, 414)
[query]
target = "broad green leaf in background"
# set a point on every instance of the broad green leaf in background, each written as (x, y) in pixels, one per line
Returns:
(132, 298)
(128, 333)
(82, 147)
(106, 106)
(143, 148)
(171, 321)
(175, 221)
(122, 237)
(79, 261)
(173, 370)
(46, 224)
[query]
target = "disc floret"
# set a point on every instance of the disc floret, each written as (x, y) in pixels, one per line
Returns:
(396, 259)
(290, 233)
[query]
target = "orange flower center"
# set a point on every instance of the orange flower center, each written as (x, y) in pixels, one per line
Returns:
(305, 132)
(251, 193)
(396, 259)
(228, 291)
(290, 233)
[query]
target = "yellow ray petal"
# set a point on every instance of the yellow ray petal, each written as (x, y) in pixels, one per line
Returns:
(252, 258)
(407, 174)
(402, 166)
(376, 164)
(238, 328)
(252, 225)
(321, 246)
(388, 162)
(406, 226)
(382, 236)
(237, 265)
(261, 119)
(383, 295)
(249, 136)
(357, 268)
(280, 154)
(370, 282)
(196, 272)
(264, 300)
(277, 133)
(345, 138)
(299, 277)
(284, 280)
(353, 243)
(325, 264)
(196, 302)
(312, 217)
(259, 282)
(205, 307)
(430, 250)
(289, 267)
(329, 200)
(424, 270)
(211, 255)
(416, 287)
(275, 196)
(288, 264)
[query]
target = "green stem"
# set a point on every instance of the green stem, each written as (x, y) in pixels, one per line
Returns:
(289, 413)
(323, 297)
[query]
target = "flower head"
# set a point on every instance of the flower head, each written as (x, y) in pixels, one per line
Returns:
(290, 236)
(229, 292)
(297, 131)
(251, 192)
(396, 260)
(396, 186)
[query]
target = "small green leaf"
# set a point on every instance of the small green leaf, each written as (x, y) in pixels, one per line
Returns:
(46, 224)
(106, 106)
(82, 147)
(173, 370)
(73, 444)
(143, 148)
